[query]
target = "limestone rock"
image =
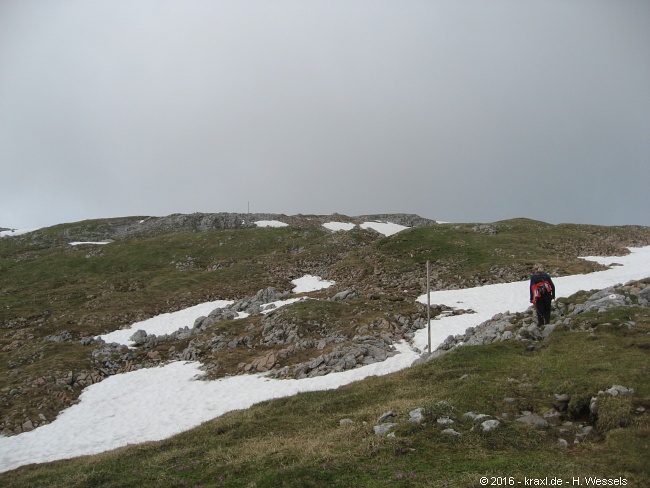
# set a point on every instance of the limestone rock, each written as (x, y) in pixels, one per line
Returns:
(533, 420)
(383, 429)
(416, 416)
(489, 425)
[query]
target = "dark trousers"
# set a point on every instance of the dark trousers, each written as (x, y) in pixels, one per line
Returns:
(543, 307)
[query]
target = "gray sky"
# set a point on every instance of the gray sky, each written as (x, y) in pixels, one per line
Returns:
(468, 111)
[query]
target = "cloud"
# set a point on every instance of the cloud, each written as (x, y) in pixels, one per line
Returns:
(453, 111)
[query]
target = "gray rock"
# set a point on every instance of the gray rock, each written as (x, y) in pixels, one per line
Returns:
(383, 429)
(139, 337)
(366, 350)
(199, 321)
(190, 354)
(533, 420)
(64, 336)
(444, 421)
(485, 229)
(601, 301)
(346, 295)
(252, 305)
(181, 334)
(507, 335)
(585, 432)
(451, 432)
(619, 390)
(489, 425)
(267, 295)
(552, 416)
(386, 416)
(547, 330)
(593, 405)
(416, 416)
(530, 332)
(645, 293)
(475, 416)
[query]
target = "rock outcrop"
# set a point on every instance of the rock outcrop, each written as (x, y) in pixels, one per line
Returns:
(523, 327)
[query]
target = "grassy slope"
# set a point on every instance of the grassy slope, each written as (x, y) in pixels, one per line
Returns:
(298, 441)
(47, 286)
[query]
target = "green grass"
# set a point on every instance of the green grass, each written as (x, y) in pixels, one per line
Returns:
(149, 275)
(518, 245)
(143, 275)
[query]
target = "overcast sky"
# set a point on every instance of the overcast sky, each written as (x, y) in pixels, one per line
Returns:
(467, 111)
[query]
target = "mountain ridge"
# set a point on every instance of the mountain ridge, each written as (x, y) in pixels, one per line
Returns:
(137, 226)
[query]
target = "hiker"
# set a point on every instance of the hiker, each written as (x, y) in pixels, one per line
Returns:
(542, 292)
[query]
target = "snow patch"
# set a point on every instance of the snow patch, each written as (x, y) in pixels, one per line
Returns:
(270, 223)
(155, 403)
(79, 243)
(310, 283)
(269, 307)
(338, 226)
(166, 323)
(385, 228)
(15, 232)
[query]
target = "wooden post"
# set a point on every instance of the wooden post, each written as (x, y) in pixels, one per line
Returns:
(428, 310)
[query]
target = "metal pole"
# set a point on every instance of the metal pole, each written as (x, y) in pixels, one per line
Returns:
(428, 310)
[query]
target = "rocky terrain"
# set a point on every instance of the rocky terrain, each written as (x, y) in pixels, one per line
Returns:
(129, 227)
(523, 327)
(47, 335)
(572, 416)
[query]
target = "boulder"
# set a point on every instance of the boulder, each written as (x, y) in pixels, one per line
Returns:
(265, 363)
(489, 425)
(383, 429)
(553, 417)
(475, 416)
(416, 416)
(451, 432)
(444, 421)
(346, 295)
(644, 296)
(618, 390)
(139, 338)
(533, 420)
(386, 416)
(601, 301)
